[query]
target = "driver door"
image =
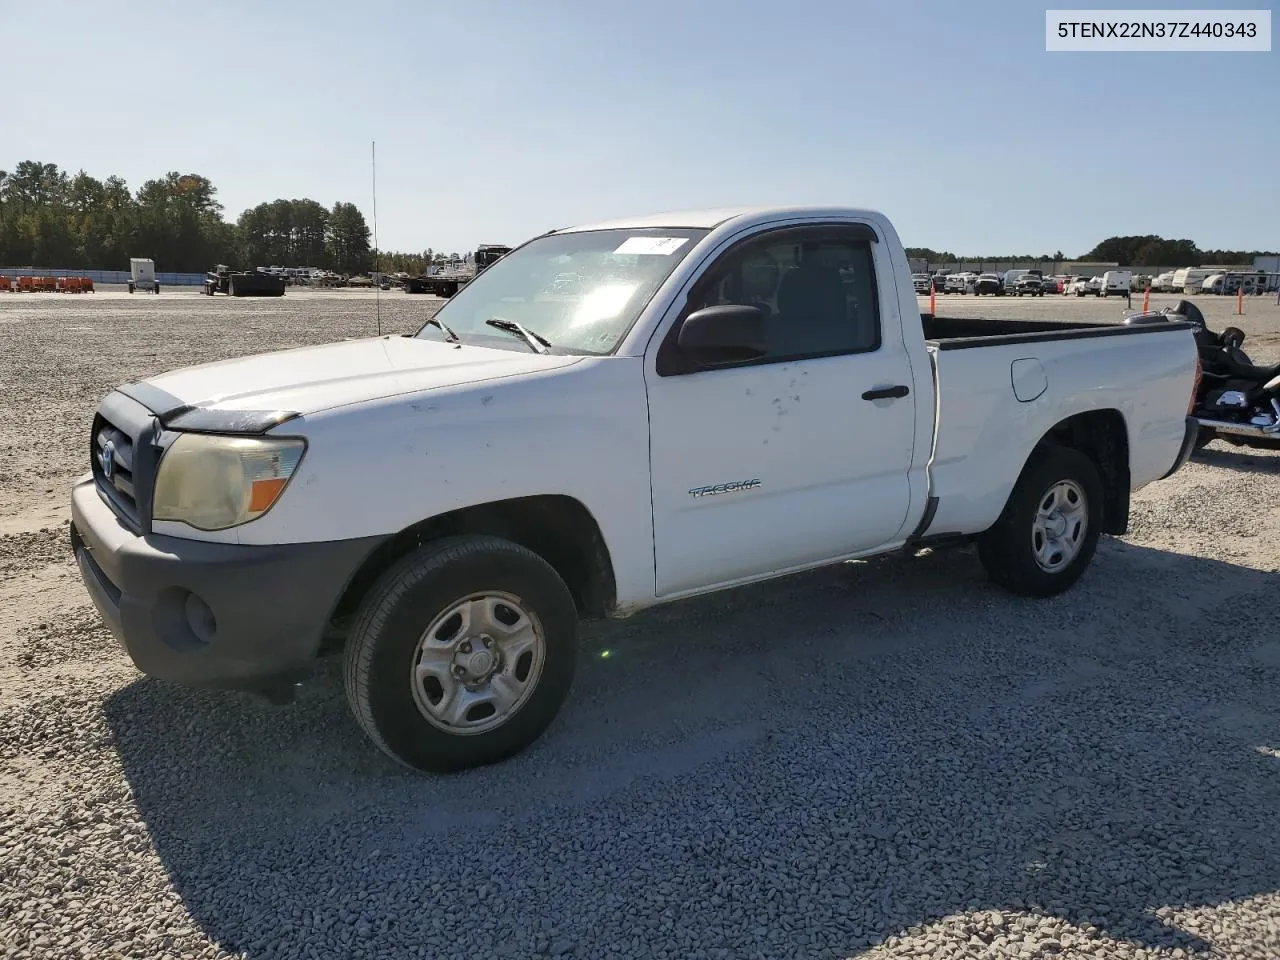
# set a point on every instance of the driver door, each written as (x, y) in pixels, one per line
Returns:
(780, 462)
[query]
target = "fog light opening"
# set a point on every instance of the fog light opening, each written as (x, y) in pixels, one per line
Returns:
(200, 619)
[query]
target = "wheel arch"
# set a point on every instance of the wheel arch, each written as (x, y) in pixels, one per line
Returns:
(1103, 436)
(558, 528)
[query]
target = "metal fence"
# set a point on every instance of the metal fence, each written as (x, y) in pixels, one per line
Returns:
(104, 276)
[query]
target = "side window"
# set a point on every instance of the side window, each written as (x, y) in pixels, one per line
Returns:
(817, 291)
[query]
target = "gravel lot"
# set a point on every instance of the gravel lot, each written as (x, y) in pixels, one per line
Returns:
(882, 759)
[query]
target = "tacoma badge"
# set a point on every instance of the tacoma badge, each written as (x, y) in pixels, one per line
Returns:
(735, 487)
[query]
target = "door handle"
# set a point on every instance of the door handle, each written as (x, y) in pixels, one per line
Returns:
(887, 393)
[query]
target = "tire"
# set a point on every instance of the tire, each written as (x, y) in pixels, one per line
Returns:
(1008, 549)
(393, 701)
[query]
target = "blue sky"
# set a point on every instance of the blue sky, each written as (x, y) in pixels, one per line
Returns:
(497, 120)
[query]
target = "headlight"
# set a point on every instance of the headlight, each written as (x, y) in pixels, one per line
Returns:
(212, 482)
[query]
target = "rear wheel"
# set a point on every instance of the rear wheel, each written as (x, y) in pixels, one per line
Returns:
(462, 654)
(1048, 531)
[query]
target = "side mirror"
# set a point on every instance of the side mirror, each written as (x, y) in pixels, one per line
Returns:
(727, 333)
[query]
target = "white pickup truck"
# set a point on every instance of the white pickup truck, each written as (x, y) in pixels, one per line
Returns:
(721, 397)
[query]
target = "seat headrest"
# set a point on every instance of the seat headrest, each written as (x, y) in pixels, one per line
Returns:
(813, 291)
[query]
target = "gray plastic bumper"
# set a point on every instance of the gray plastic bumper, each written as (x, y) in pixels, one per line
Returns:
(210, 614)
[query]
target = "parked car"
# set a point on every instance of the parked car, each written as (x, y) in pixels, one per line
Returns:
(385, 499)
(1011, 278)
(939, 283)
(989, 283)
(960, 283)
(1050, 285)
(1029, 285)
(1083, 286)
(921, 282)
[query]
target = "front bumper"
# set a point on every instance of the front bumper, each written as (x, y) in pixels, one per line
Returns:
(1191, 430)
(210, 614)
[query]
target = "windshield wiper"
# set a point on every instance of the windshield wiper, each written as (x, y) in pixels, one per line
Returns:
(449, 334)
(536, 343)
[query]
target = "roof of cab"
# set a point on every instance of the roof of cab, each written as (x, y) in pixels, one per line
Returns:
(709, 219)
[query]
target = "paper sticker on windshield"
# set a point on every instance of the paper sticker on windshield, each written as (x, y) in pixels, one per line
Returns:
(662, 246)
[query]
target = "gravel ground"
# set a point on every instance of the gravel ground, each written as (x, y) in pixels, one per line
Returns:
(881, 759)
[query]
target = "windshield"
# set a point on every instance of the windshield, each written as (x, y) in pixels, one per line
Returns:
(580, 292)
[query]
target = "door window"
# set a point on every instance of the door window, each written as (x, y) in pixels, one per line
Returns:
(815, 287)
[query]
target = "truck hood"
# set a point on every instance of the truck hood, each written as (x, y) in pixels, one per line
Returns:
(310, 379)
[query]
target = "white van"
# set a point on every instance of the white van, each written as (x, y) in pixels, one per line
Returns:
(1115, 283)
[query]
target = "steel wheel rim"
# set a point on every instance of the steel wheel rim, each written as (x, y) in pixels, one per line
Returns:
(477, 663)
(1060, 526)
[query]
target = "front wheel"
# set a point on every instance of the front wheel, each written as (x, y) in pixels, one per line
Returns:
(462, 654)
(1048, 531)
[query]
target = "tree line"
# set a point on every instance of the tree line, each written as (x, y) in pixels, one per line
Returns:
(1138, 251)
(1154, 251)
(51, 218)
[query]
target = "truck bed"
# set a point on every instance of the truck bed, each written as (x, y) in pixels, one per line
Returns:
(958, 333)
(1030, 375)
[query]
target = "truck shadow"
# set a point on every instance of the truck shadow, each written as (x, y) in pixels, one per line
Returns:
(863, 749)
(1240, 459)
